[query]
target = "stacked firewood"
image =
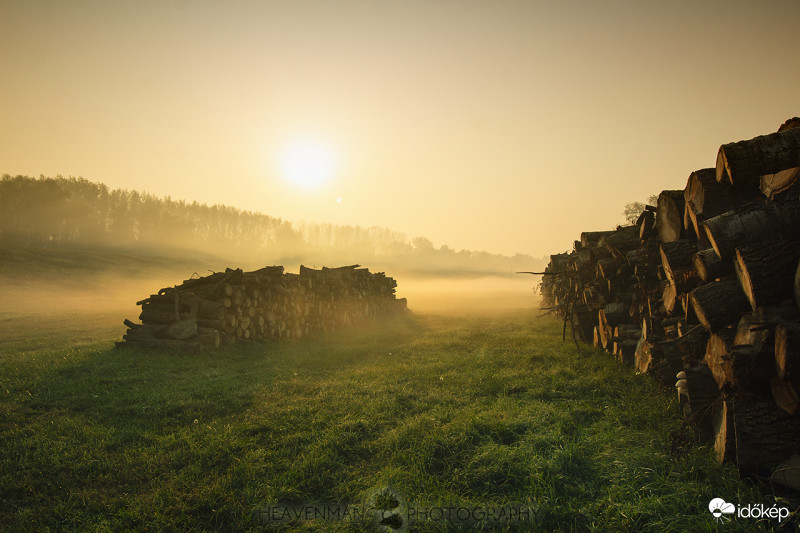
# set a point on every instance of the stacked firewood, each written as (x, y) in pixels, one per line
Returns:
(231, 306)
(705, 289)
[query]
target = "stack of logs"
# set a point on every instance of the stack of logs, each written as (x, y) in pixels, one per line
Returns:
(705, 289)
(269, 303)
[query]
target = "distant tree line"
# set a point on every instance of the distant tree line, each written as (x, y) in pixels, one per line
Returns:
(75, 212)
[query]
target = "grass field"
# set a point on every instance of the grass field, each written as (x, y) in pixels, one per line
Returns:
(425, 413)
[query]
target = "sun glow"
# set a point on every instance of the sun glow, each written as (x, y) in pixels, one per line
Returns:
(307, 164)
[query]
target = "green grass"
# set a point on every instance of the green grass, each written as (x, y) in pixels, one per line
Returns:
(466, 411)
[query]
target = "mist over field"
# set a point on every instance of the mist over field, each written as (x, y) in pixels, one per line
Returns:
(70, 245)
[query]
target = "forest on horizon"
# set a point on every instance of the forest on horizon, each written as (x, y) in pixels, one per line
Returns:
(74, 212)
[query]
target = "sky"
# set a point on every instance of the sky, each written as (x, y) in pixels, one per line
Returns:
(508, 126)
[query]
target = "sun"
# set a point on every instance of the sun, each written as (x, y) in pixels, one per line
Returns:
(307, 164)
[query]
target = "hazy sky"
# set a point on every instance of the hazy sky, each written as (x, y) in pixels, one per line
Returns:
(503, 125)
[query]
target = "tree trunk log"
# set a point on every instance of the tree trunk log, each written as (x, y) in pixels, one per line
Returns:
(610, 317)
(589, 239)
(706, 198)
(766, 271)
(784, 395)
(669, 297)
(693, 344)
(773, 184)
(791, 123)
(702, 393)
(624, 239)
(709, 266)
(678, 264)
(703, 193)
(765, 435)
(669, 216)
(625, 351)
(752, 224)
(661, 359)
(743, 163)
(744, 368)
(719, 303)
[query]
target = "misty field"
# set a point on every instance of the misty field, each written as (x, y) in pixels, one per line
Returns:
(477, 411)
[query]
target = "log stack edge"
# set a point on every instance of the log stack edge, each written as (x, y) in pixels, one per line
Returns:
(226, 307)
(703, 293)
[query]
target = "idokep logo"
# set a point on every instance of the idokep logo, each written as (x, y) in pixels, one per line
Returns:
(719, 508)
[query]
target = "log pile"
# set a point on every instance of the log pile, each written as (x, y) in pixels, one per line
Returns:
(706, 293)
(226, 307)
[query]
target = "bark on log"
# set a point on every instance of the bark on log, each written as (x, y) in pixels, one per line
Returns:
(773, 184)
(709, 266)
(652, 330)
(647, 224)
(720, 344)
(660, 359)
(791, 123)
(765, 435)
(671, 327)
(797, 285)
(693, 344)
(744, 368)
(625, 351)
(161, 317)
(706, 198)
(785, 395)
(703, 193)
(678, 264)
(607, 268)
(743, 163)
(669, 216)
(719, 303)
(623, 240)
(742, 226)
(625, 332)
(702, 393)
(610, 317)
(589, 239)
(766, 271)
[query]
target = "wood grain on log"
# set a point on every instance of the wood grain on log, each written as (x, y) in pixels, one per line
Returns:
(725, 435)
(719, 303)
(709, 266)
(787, 352)
(742, 226)
(610, 317)
(743, 163)
(677, 261)
(773, 184)
(669, 216)
(707, 198)
(766, 271)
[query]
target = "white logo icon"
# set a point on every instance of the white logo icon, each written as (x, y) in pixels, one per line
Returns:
(719, 508)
